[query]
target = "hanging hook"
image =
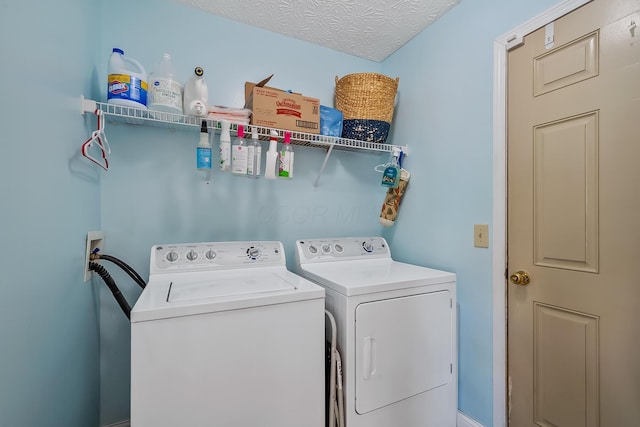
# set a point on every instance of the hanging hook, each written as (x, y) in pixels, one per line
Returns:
(632, 28)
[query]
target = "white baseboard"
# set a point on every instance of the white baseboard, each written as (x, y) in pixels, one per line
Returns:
(466, 421)
(120, 424)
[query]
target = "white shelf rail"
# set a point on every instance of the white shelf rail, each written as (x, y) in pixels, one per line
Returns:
(139, 116)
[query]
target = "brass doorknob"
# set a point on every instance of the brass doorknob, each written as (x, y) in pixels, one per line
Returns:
(520, 278)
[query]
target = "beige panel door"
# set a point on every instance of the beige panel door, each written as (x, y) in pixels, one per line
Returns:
(574, 221)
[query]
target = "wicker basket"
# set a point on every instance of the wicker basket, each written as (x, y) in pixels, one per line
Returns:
(367, 101)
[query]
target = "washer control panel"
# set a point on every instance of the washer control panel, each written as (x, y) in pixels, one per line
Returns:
(215, 255)
(309, 250)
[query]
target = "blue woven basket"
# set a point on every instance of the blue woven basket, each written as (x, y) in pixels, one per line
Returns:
(366, 130)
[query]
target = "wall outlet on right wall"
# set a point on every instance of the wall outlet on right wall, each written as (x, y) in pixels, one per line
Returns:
(481, 235)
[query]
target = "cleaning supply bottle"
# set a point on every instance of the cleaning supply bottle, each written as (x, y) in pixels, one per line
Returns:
(255, 155)
(203, 153)
(272, 156)
(165, 91)
(127, 81)
(196, 94)
(285, 158)
(239, 153)
(391, 175)
(225, 147)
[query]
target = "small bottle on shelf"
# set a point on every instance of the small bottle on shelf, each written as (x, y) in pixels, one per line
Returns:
(225, 147)
(254, 155)
(203, 153)
(239, 153)
(285, 158)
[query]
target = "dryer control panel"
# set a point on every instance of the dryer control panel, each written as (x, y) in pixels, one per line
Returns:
(341, 249)
(215, 256)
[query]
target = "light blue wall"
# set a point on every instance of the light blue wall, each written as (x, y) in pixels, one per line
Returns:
(445, 115)
(49, 331)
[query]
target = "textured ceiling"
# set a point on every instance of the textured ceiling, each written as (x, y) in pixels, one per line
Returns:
(370, 29)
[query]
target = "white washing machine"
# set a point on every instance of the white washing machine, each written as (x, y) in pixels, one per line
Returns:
(225, 335)
(396, 332)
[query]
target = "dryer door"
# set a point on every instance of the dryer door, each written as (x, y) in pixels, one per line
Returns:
(403, 348)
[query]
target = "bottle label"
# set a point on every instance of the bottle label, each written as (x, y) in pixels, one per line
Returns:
(165, 92)
(203, 158)
(225, 157)
(254, 158)
(390, 177)
(239, 159)
(284, 164)
(125, 86)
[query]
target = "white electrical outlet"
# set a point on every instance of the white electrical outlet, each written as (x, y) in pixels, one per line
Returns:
(94, 240)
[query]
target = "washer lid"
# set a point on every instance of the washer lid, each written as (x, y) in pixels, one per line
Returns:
(227, 285)
(368, 276)
(186, 294)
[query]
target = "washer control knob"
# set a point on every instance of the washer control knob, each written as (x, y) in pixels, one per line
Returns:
(313, 250)
(326, 248)
(192, 255)
(210, 254)
(254, 253)
(339, 248)
(367, 246)
(172, 256)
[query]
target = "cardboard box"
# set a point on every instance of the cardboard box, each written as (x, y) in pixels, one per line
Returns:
(275, 108)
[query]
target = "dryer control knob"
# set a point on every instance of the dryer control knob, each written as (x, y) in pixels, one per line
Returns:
(253, 252)
(367, 246)
(338, 248)
(172, 256)
(192, 255)
(313, 250)
(326, 248)
(210, 254)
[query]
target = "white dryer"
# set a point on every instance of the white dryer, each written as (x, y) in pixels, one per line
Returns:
(225, 335)
(396, 332)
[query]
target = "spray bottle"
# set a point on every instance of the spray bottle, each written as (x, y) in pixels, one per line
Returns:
(391, 175)
(196, 94)
(225, 147)
(203, 153)
(239, 154)
(255, 155)
(272, 156)
(285, 158)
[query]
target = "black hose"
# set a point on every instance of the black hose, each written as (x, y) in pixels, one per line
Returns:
(124, 266)
(111, 284)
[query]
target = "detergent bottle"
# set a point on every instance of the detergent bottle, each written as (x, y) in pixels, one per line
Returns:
(196, 94)
(127, 81)
(165, 91)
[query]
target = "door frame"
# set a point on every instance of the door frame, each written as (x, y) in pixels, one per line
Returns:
(501, 47)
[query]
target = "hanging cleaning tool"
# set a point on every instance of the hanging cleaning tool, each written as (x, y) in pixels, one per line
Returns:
(225, 147)
(203, 153)
(391, 174)
(272, 156)
(391, 205)
(255, 155)
(239, 154)
(100, 138)
(285, 158)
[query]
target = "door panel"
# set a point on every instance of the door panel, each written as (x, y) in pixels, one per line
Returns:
(566, 193)
(392, 365)
(573, 224)
(565, 367)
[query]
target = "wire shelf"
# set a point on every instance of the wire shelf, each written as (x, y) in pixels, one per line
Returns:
(139, 116)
